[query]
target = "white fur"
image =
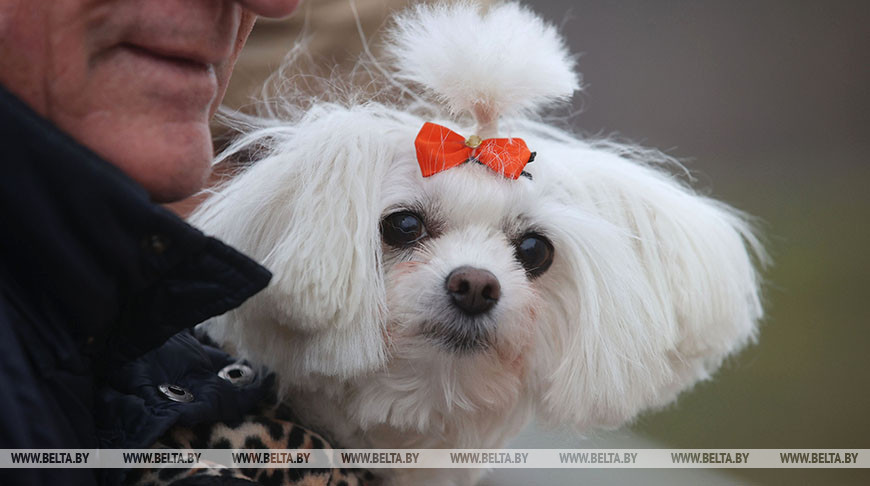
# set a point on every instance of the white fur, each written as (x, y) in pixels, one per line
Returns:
(652, 285)
(501, 61)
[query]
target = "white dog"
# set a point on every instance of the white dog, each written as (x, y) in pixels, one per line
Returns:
(422, 302)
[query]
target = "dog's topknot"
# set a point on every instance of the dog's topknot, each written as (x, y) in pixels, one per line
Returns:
(487, 62)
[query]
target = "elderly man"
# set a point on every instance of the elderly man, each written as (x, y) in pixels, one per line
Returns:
(104, 111)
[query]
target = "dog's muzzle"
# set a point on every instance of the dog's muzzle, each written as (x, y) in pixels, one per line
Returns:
(472, 293)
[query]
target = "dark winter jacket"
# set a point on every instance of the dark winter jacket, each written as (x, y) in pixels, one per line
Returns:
(94, 279)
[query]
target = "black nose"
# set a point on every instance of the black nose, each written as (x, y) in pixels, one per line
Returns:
(473, 290)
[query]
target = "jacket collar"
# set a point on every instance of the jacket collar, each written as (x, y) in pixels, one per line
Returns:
(85, 249)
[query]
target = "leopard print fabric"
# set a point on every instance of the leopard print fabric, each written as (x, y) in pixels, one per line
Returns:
(261, 431)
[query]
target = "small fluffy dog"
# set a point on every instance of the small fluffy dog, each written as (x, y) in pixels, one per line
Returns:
(438, 290)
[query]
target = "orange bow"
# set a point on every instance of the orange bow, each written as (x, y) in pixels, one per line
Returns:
(439, 149)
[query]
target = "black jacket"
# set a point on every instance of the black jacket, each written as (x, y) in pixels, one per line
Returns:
(94, 279)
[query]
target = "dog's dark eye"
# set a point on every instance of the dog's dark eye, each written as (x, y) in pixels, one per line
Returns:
(402, 229)
(535, 252)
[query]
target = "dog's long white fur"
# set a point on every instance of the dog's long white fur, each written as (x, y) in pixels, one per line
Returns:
(652, 285)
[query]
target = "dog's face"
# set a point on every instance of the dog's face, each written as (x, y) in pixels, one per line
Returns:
(594, 289)
(461, 252)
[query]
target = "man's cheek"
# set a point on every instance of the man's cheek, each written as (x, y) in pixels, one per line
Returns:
(225, 69)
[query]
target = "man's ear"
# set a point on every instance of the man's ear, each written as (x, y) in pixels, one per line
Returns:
(652, 287)
(310, 212)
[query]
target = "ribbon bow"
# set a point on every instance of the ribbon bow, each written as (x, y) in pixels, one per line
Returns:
(439, 149)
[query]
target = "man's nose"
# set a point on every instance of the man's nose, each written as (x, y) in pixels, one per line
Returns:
(270, 8)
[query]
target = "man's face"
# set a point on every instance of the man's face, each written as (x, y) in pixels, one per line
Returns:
(134, 80)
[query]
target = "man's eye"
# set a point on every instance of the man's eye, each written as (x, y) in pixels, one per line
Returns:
(535, 252)
(402, 229)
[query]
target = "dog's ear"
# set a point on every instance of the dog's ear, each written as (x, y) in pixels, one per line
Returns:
(310, 212)
(652, 287)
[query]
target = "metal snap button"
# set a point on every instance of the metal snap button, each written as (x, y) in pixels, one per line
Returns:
(156, 243)
(176, 393)
(237, 374)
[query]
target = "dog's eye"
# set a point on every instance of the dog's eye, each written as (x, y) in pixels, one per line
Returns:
(535, 252)
(402, 229)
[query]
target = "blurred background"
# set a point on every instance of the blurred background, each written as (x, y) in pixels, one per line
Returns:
(767, 102)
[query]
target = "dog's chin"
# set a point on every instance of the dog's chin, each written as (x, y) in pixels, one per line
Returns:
(461, 335)
(437, 384)
(445, 377)
(497, 340)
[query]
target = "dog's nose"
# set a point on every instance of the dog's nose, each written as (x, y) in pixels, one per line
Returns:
(473, 290)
